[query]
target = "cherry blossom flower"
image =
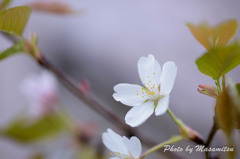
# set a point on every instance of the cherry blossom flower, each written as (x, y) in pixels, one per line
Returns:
(122, 147)
(41, 92)
(154, 96)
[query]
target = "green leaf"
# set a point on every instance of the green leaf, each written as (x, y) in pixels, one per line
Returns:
(5, 3)
(214, 36)
(25, 131)
(14, 49)
(219, 61)
(14, 20)
(224, 111)
(228, 107)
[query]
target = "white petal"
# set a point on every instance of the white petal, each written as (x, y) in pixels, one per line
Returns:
(114, 158)
(162, 105)
(129, 94)
(114, 142)
(134, 146)
(168, 77)
(137, 115)
(149, 71)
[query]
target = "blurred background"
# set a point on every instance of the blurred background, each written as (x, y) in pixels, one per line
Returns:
(103, 44)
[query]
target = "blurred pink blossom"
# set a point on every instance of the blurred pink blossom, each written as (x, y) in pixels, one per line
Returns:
(41, 91)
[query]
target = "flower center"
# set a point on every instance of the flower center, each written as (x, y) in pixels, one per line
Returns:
(120, 156)
(147, 91)
(149, 85)
(150, 90)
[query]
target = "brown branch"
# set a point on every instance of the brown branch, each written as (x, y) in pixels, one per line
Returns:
(11, 38)
(108, 114)
(88, 99)
(210, 138)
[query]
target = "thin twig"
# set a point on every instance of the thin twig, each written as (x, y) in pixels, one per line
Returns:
(87, 99)
(10, 37)
(210, 138)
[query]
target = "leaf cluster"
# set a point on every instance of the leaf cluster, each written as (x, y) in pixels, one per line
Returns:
(219, 58)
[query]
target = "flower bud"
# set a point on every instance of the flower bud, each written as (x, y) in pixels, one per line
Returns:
(31, 47)
(85, 87)
(208, 90)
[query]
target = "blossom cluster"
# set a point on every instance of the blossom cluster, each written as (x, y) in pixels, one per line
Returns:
(41, 92)
(152, 97)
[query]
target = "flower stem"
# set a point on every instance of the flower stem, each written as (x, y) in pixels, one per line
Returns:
(218, 86)
(186, 131)
(176, 120)
(172, 140)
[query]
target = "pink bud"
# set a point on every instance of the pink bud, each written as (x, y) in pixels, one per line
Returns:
(208, 90)
(85, 87)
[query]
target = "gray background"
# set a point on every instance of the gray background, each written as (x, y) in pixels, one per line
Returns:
(104, 44)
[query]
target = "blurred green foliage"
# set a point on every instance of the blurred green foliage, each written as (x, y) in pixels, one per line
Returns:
(26, 130)
(14, 49)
